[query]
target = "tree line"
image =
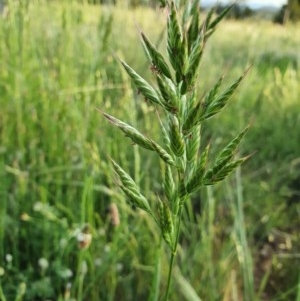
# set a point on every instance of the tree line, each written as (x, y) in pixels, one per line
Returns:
(288, 12)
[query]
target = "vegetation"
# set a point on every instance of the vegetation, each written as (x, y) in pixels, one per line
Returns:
(236, 12)
(294, 9)
(288, 12)
(66, 233)
(185, 162)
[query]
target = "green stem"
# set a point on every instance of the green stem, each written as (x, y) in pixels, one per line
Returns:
(173, 254)
(169, 276)
(2, 296)
(154, 296)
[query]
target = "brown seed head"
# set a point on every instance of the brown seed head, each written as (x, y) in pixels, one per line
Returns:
(114, 215)
(84, 237)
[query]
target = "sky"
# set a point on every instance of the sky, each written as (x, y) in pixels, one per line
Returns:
(250, 3)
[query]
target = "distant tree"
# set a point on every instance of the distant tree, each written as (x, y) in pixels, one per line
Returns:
(237, 11)
(132, 3)
(135, 3)
(102, 2)
(294, 9)
(282, 15)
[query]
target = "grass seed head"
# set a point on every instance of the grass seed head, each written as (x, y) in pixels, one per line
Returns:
(114, 217)
(84, 237)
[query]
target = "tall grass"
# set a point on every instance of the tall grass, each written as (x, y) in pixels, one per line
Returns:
(186, 164)
(57, 66)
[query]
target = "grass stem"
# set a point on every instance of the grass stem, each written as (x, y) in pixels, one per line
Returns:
(173, 253)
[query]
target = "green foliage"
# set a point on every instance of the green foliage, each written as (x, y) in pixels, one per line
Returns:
(57, 67)
(282, 15)
(238, 11)
(294, 9)
(288, 12)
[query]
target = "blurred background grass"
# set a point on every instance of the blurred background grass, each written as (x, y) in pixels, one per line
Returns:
(58, 66)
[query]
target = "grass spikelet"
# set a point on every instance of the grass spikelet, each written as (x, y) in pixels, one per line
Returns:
(168, 93)
(193, 25)
(143, 86)
(176, 140)
(227, 153)
(220, 172)
(125, 178)
(169, 184)
(221, 101)
(175, 46)
(196, 177)
(164, 155)
(137, 199)
(156, 58)
(166, 223)
(193, 142)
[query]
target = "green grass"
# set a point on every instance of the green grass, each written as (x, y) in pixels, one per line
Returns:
(57, 67)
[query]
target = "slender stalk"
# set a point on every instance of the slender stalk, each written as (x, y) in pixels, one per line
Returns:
(154, 296)
(2, 296)
(171, 263)
(247, 265)
(173, 253)
(298, 290)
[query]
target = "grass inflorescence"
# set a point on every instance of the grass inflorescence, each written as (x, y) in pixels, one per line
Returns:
(188, 167)
(67, 233)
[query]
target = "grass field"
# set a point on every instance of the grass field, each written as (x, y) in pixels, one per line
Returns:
(240, 240)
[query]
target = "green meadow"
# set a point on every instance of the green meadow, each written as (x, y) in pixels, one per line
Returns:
(60, 235)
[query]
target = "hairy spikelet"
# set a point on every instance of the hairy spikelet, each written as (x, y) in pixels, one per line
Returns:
(163, 154)
(168, 92)
(196, 113)
(136, 137)
(195, 180)
(193, 29)
(193, 144)
(143, 86)
(137, 199)
(156, 58)
(219, 173)
(169, 185)
(211, 95)
(166, 223)
(228, 152)
(175, 46)
(193, 62)
(221, 101)
(193, 118)
(211, 25)
(140, 139)
(224, 163)
(176, 140)
(165, 136)
(125, 178)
